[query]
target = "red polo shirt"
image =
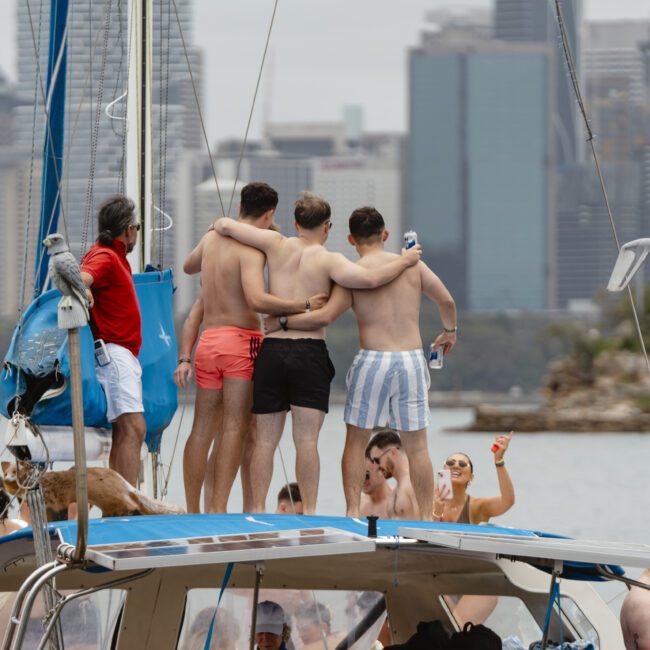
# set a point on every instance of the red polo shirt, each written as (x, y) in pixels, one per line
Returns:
(115, 316)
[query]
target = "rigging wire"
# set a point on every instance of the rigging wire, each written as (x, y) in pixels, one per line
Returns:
(250, 115)
(120, 36)
(163, 492)
(163, 112)
(65, 166)
(48, 130)
(566, 47)
(23, 280)
(214, 172)
(198, 106)
(90, 187)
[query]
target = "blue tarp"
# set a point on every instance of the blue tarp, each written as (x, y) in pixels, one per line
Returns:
(41, 347)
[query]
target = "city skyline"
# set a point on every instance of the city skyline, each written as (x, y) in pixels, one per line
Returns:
(311, 42)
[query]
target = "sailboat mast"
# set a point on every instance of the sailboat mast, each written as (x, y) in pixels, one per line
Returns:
(139, 163)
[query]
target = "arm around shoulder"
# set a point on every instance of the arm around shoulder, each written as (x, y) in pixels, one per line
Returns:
(340, 301)
(353, 276)
(260, 238)
(192, 263)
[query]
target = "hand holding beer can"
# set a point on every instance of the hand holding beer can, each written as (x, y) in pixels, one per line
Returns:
(410, 239)
(435, 357)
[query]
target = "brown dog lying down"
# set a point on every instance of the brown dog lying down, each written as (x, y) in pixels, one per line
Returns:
(107, 490)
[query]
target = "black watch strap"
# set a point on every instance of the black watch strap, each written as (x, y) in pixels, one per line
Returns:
(284, 322)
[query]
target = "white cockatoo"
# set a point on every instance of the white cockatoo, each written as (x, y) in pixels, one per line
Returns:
(66, 277)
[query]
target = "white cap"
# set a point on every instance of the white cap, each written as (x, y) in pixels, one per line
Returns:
(270, 618)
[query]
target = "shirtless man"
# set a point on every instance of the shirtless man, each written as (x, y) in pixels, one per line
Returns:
(635, 616)
(232, 280)
(197, 446)
(389, 375)
(293, 369)
(376, 493)
(386, 453)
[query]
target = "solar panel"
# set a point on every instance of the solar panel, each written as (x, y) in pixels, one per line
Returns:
(533, 548)
(220, 549)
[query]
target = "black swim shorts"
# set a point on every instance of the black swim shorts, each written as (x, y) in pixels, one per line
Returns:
(292, 372)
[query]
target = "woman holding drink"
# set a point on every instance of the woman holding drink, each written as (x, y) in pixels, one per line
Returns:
(453, 503)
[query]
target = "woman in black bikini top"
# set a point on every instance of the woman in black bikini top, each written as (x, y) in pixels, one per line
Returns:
(465, 510)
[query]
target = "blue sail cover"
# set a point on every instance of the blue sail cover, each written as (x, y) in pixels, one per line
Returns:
(54, 136)
(42, 348)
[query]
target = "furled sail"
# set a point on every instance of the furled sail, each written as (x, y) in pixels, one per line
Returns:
(35, 380)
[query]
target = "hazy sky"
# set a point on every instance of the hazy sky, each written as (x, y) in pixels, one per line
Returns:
(324, 54)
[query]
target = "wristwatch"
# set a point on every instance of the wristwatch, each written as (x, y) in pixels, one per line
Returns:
(450, 330)
(284, 322)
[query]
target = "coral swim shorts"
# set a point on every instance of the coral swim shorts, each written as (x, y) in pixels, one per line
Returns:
(225, 352)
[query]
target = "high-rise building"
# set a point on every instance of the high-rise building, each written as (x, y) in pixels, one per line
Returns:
(20, 190)
(480, 161)
(20, 186)
(353, 181)
(97, 62)
(586, 247)
(615, 86)
(348, 168)
(615, 95)
(533, 21)
(9, 99)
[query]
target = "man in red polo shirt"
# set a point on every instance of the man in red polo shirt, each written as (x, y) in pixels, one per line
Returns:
(115, 320)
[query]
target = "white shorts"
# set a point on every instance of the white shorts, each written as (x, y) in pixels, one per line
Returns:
(121, 380)
(386, 386)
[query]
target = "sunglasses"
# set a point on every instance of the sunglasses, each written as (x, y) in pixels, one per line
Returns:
(377, 459)
(450, 462)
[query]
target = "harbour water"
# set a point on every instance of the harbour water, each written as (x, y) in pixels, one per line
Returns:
(588, 485)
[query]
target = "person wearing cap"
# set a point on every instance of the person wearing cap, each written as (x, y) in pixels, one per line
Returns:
(271, 629)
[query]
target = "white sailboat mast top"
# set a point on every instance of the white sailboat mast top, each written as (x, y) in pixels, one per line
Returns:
(139, 146)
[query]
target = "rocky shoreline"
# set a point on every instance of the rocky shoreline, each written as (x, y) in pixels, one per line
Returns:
(494, 418)
(609, 393)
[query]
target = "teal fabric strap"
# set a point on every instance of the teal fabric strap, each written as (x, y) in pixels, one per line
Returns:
(224, 584)
(554, 599)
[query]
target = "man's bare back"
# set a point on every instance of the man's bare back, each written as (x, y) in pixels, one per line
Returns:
(298, 268)
(221, 278)
(388, 317)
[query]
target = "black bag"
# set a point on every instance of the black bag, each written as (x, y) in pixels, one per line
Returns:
(475, 637)
(430, 635)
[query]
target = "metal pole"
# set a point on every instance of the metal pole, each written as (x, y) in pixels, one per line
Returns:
(29, 603)
(259, 572)
(154, 473)
(81, 480)
(18, 602)
(43, 548)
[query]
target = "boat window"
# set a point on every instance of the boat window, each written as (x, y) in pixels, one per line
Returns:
(508, 616)
(87, 622)
(584, 629)
(310, 615)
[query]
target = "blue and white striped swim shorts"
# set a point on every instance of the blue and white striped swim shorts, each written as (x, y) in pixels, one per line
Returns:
(388, 385)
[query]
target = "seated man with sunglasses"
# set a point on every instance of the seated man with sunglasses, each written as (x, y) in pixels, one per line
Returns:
(460, 507)
(386, 453)
(376, 492)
